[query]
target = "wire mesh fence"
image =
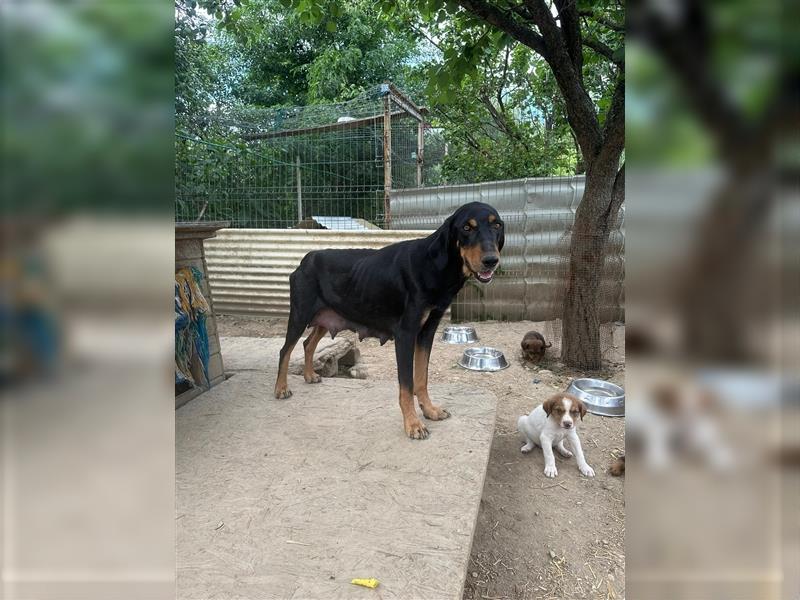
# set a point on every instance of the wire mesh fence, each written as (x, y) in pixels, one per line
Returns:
(280, 168)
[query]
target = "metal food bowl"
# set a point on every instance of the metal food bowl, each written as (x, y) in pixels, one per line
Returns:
(459, 334)
(483, 359)
(600, 397)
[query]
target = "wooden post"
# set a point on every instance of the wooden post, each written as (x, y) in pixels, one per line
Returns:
(299, 194)
(387, 157)
(420, 150)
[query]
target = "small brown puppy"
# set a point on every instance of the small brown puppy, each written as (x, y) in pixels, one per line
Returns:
(618, 467)
(533, 346)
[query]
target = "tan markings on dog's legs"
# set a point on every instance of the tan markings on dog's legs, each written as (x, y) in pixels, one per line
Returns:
(281, 385)
(411, 423)
(429, 409)
(310, 345)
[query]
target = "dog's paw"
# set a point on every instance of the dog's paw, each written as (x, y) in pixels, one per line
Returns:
(526, 448)
(586, 471)
(550, 471)
(313, 378)
(282, 392)
(435, 413)
(416, 430)
(565, 453)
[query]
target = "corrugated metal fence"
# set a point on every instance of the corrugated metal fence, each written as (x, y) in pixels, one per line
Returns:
(538, 215)
(249, 268)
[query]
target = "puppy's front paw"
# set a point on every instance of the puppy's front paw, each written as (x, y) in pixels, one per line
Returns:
(526, 448)
(586, 471)
(564, 452)
(550, 471)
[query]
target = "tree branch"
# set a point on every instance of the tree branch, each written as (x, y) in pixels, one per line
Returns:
(614, 128)
(602, 20)
(603, 50)
(506, 22)
(580, 109)
(684, 45)
(571, 31)
(617, 193)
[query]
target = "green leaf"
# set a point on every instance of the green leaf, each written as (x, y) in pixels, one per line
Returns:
(331, 26)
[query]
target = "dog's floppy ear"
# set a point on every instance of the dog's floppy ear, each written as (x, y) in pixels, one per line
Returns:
(549, 403)
(502, 239)
(581, 407)
(439, 249)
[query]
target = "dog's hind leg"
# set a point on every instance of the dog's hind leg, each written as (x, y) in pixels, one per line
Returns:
(310, 345)
(422, 356)
(298, 320)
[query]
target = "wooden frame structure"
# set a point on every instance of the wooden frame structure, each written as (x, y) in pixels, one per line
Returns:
(396, 105)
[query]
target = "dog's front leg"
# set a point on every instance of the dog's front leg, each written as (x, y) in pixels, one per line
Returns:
(583, 466)
(422, 357)
(404, 351)
(549, 458)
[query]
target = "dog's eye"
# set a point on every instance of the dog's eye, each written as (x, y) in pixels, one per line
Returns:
(467, 228)
(497, 225)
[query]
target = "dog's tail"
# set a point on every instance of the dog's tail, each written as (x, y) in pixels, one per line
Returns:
(548, 344)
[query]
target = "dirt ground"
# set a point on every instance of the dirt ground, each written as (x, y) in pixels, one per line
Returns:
(536, 538)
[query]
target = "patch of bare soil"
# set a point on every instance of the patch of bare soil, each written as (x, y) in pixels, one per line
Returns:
(536, 537)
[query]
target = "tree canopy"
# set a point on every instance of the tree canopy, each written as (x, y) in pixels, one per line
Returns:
(495, 102)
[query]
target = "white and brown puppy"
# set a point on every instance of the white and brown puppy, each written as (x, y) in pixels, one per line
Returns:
(551, 424)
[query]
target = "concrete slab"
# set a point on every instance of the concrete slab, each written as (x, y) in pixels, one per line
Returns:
(254, 354)
(294, 498)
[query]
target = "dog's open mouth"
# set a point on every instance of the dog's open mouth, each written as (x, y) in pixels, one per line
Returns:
(484, 276)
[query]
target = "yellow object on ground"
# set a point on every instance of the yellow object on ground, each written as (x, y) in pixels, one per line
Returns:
(370, 583)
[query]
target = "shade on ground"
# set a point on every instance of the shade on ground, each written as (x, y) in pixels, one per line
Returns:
(294, 498)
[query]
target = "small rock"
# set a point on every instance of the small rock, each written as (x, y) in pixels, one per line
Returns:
(605, 542)
(475, 574)
(611, 577)
(536, 513)
(552, 554)
(537, 381)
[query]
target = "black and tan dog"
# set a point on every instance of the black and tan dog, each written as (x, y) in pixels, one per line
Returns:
(399, 292)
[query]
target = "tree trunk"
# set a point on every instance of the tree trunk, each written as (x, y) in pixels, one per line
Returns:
(726, 287)
(596, 213)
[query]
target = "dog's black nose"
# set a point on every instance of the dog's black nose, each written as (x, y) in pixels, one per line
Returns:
(490, 261)
(567, 425)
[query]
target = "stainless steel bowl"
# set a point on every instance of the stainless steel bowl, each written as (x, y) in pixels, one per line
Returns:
(600, 397)
(459, 334)
(483, 359)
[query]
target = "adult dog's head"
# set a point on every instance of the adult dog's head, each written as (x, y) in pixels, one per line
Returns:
(477, 232)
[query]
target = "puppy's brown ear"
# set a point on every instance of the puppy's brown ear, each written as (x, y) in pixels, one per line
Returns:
(582, 408)
(550, 403)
